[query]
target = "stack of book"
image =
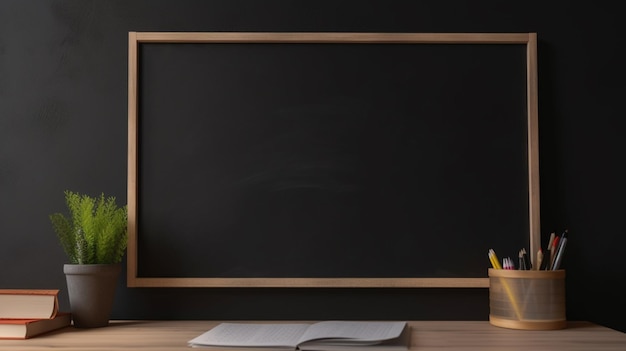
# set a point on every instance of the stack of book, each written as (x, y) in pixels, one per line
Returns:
(25, 313)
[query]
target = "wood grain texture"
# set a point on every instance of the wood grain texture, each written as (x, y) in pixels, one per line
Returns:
(425, 336)
(331, 37)
(312, 282)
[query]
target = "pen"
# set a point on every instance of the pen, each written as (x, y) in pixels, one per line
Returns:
(559, 251)
(527, 262)
(545, 264)
(505, 263)
(555, 245)
(511, 263)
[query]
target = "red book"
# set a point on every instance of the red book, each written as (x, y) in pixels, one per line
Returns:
(28, 328)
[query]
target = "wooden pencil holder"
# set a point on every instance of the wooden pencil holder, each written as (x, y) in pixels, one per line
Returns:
(530, 300)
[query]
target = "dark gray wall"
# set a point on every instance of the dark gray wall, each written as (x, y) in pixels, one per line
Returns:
(63, 110)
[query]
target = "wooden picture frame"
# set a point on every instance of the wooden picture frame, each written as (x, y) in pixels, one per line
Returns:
(138, 38)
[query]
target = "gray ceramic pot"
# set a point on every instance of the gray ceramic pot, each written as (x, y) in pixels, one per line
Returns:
(91, 290)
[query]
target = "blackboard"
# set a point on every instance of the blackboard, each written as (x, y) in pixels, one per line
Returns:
(329, 159)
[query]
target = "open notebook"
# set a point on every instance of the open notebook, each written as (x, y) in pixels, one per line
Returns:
(321, 336)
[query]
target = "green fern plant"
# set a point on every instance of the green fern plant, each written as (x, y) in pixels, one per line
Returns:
(96, 230)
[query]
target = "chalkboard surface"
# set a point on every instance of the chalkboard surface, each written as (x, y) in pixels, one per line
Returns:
(328, 160)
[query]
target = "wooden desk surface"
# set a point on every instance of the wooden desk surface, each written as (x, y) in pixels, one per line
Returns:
(425, 336)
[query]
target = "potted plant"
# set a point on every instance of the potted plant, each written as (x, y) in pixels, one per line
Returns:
(94, 237)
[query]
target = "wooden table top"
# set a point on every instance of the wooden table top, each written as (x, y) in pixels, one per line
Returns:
(425, 336)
